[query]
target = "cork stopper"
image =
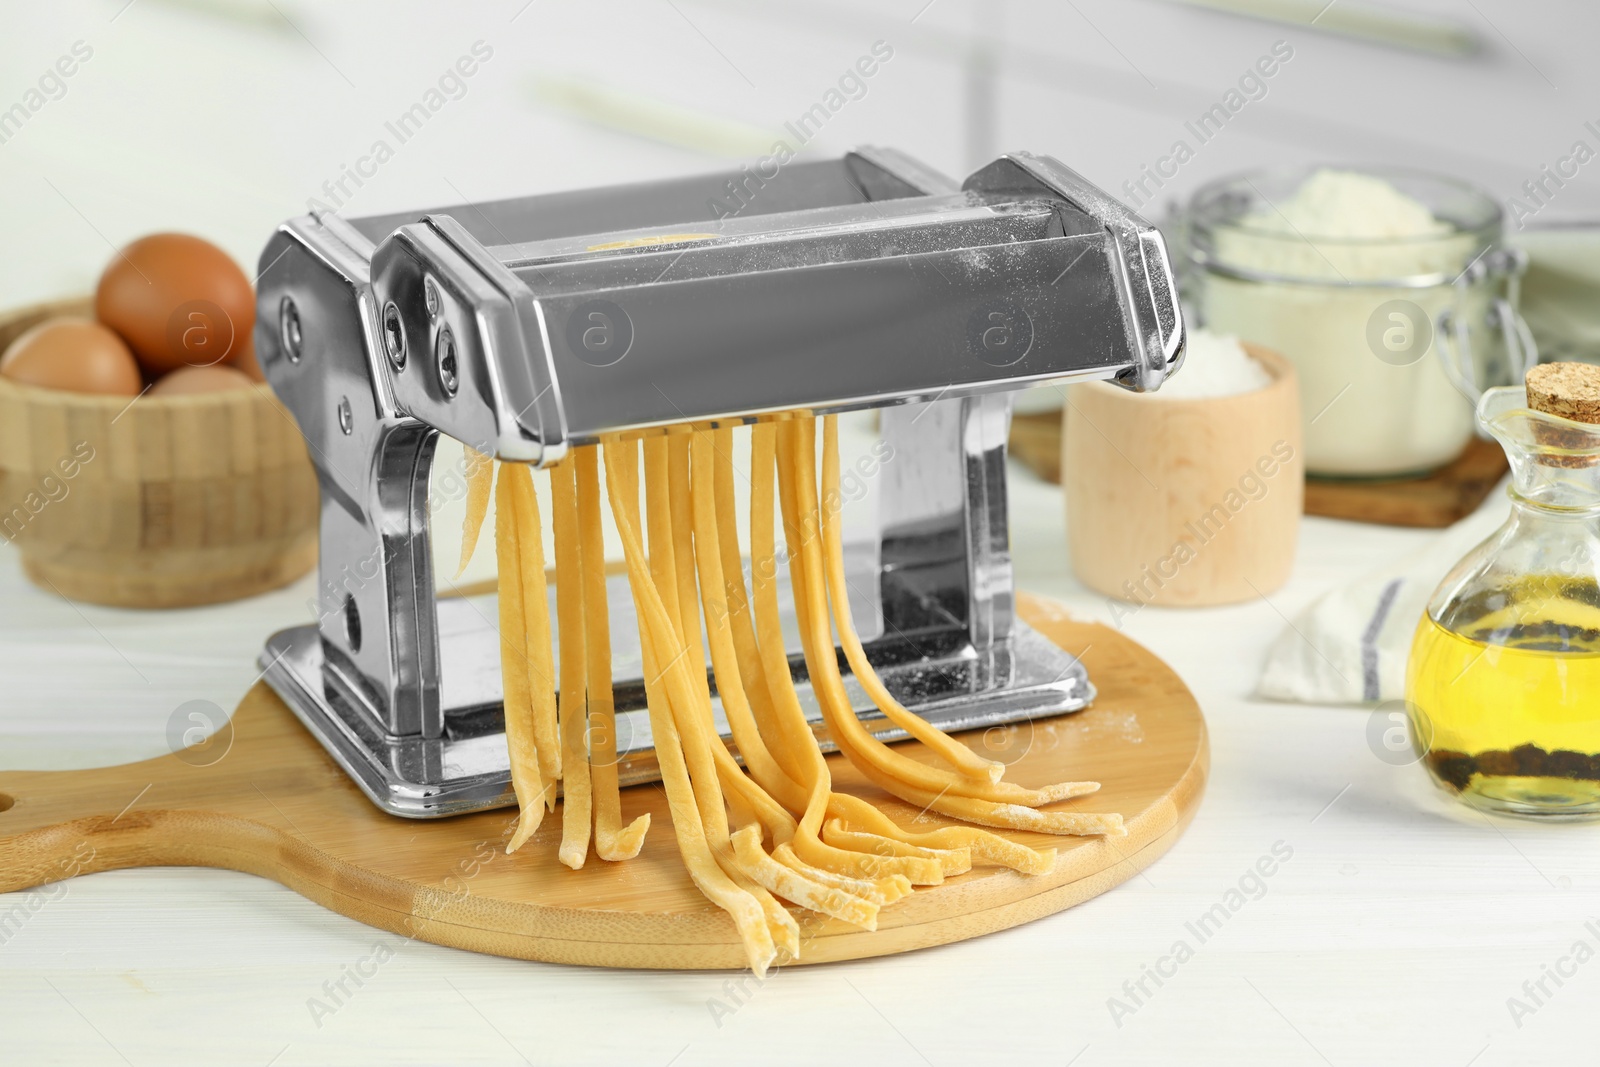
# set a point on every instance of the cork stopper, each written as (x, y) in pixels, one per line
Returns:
(1570, 390)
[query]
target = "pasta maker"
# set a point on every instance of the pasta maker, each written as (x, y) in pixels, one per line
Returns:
(528, 326)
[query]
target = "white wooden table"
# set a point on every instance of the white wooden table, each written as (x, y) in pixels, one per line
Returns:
(1394, 932)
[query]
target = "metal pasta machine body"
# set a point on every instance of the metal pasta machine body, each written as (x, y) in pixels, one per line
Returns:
(528, 326)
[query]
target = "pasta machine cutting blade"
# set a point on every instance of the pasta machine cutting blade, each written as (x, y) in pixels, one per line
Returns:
(525, 327)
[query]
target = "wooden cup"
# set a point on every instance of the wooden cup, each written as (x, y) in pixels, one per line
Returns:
(1184, 502)
(162, 502)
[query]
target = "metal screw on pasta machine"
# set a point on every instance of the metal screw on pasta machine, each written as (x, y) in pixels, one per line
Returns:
(289, 329)
(446, 352)
(394, 338)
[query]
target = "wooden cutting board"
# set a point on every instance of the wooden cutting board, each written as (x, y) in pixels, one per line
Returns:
(276, 805)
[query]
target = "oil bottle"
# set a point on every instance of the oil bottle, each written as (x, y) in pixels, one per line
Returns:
(1503, 684)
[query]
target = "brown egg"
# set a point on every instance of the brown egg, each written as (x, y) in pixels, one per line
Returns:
(187, 381)
(178, 301)
(73, 354)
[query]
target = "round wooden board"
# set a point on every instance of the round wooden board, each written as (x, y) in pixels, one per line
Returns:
(276, 805)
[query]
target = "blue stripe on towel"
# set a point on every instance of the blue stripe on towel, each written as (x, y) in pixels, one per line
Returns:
(1369, 640)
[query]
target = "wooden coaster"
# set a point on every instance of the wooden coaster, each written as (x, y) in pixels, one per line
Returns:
(266, 799)
(1433, 501)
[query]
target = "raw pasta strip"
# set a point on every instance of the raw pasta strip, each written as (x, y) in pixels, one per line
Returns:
(790, 738)
(794, 886)
(1005, 816)
(725, 662)
(748, 914)
(771, 916)
(480, 481)
(873, 863)
(940, 743)
(684, 610)
(713, 450)
(980, 844)
(572, 713)
(786, 731)
(985, 773)
(658, 525)
(535, 596)
(806, 569)
(684, 675)
(884, 890)
(672, 538)
(662, 613)
(796, 459)
(949, 861)
(782, 929)
(736, 601)
(688, 695)
(525, 777)
(947, 791)
(947, 801)
(611, 841)
(836, 832)
(773, 820)
(681, 561)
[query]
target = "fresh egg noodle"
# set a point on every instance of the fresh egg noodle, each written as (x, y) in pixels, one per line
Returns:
(757, 838)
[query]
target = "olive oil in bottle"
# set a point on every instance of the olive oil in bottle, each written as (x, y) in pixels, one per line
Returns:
(1505, 697)
(1503, 685)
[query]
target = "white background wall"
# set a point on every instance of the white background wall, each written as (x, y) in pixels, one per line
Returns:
(222, 118)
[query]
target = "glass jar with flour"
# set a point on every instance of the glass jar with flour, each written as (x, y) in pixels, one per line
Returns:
(1389, 290)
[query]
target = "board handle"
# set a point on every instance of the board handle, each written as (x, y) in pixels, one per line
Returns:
(58, 824)
(200, 805)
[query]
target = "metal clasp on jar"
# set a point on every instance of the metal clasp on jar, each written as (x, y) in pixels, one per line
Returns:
(1454, 336)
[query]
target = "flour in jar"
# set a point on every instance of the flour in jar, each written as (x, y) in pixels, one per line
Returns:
(1368, 411)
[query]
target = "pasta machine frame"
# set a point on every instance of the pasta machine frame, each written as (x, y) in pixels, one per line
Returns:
(525, 327)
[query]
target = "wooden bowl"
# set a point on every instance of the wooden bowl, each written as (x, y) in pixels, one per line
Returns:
(162, 502)
(1178, 501)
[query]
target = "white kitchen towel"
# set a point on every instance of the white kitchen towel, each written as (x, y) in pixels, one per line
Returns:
(1350, 646)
